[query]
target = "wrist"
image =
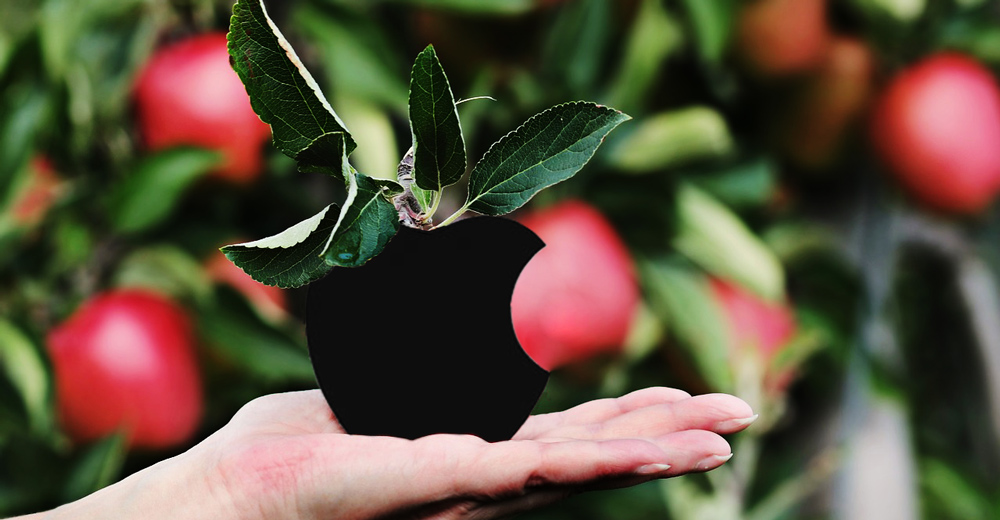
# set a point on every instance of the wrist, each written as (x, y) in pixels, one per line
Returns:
(170, 489)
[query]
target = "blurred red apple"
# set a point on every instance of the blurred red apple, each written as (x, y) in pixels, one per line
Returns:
(125, 360)
(271, 302)
(937, 128)
(187, 94)
(753, 323)
(829, 101)
(34, 198)
(576, 298)
(782, 37)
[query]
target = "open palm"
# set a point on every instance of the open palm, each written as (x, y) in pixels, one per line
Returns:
(285, 456)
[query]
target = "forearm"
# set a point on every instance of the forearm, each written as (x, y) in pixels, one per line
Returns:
(171, 489)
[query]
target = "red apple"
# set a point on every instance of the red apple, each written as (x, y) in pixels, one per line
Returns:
(828, 102)
(271, 302)
(576, 298)
(125, 360)
(753, 323)
(187, 94)
(782, 37)
(937, 128)
(39, 192)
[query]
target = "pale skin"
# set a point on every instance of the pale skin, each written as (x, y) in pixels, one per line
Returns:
(284, 456)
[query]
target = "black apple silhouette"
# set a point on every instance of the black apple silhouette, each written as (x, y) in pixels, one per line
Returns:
(419, 340)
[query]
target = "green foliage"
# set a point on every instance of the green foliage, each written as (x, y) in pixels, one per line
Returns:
(99, 466)
(367, 225)
(438, 147)
(673, 139)
(233, 332)
(713, 25)
(164, 268)
(291, 258)
(28, 373)
(548, 148)
(148, 195)
(281, 90)
(681, 298)
(702, 184)
(655, 36)
(712, 236)
(497, 7)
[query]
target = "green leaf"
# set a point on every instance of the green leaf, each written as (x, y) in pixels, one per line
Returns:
(655, 35)
(372, 125)
(975, 35)
(745, 184)
(26, 109)
(99, 466)
(367, 223)
(149, 194)
(439, 150)
(902, 11)
(349, 237)
(325, 154)
(6, 50)
(577, 43)
(425, 198)
(358, 57)
(501, 7)
(164, 268)
(672, 139)
(233, 330)
(282, 92)
(63, 24)
(713, 26)
(291, 258)
(682, 297)
(548, 148)
(24, 366)
(951, 493)
(713, 237)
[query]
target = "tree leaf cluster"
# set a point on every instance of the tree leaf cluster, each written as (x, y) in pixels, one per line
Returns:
(548, 148)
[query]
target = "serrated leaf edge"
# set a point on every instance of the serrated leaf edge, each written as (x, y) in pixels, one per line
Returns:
(303, 71)
(454, 105)
(469, 201)
(240, 10)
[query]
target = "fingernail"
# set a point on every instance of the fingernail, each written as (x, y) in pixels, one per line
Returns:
(712, 462)
(652, 469)
(736, 424)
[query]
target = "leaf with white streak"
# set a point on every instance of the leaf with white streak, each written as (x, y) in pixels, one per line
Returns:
(282, 92)
(366, 224)
(349, 237)
(291, 258)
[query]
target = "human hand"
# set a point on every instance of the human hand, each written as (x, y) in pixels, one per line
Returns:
(285, 456)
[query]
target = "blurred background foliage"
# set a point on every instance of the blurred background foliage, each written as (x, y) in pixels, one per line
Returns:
(747, 180)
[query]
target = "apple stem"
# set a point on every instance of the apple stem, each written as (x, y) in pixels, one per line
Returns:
(453, 216)
(410, 214)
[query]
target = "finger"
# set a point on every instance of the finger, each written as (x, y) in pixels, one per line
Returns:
(442, 468)
(598, 411)
(720, 413)
(519, 468)
(568, 468)
(466, 469)
(693, 451)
